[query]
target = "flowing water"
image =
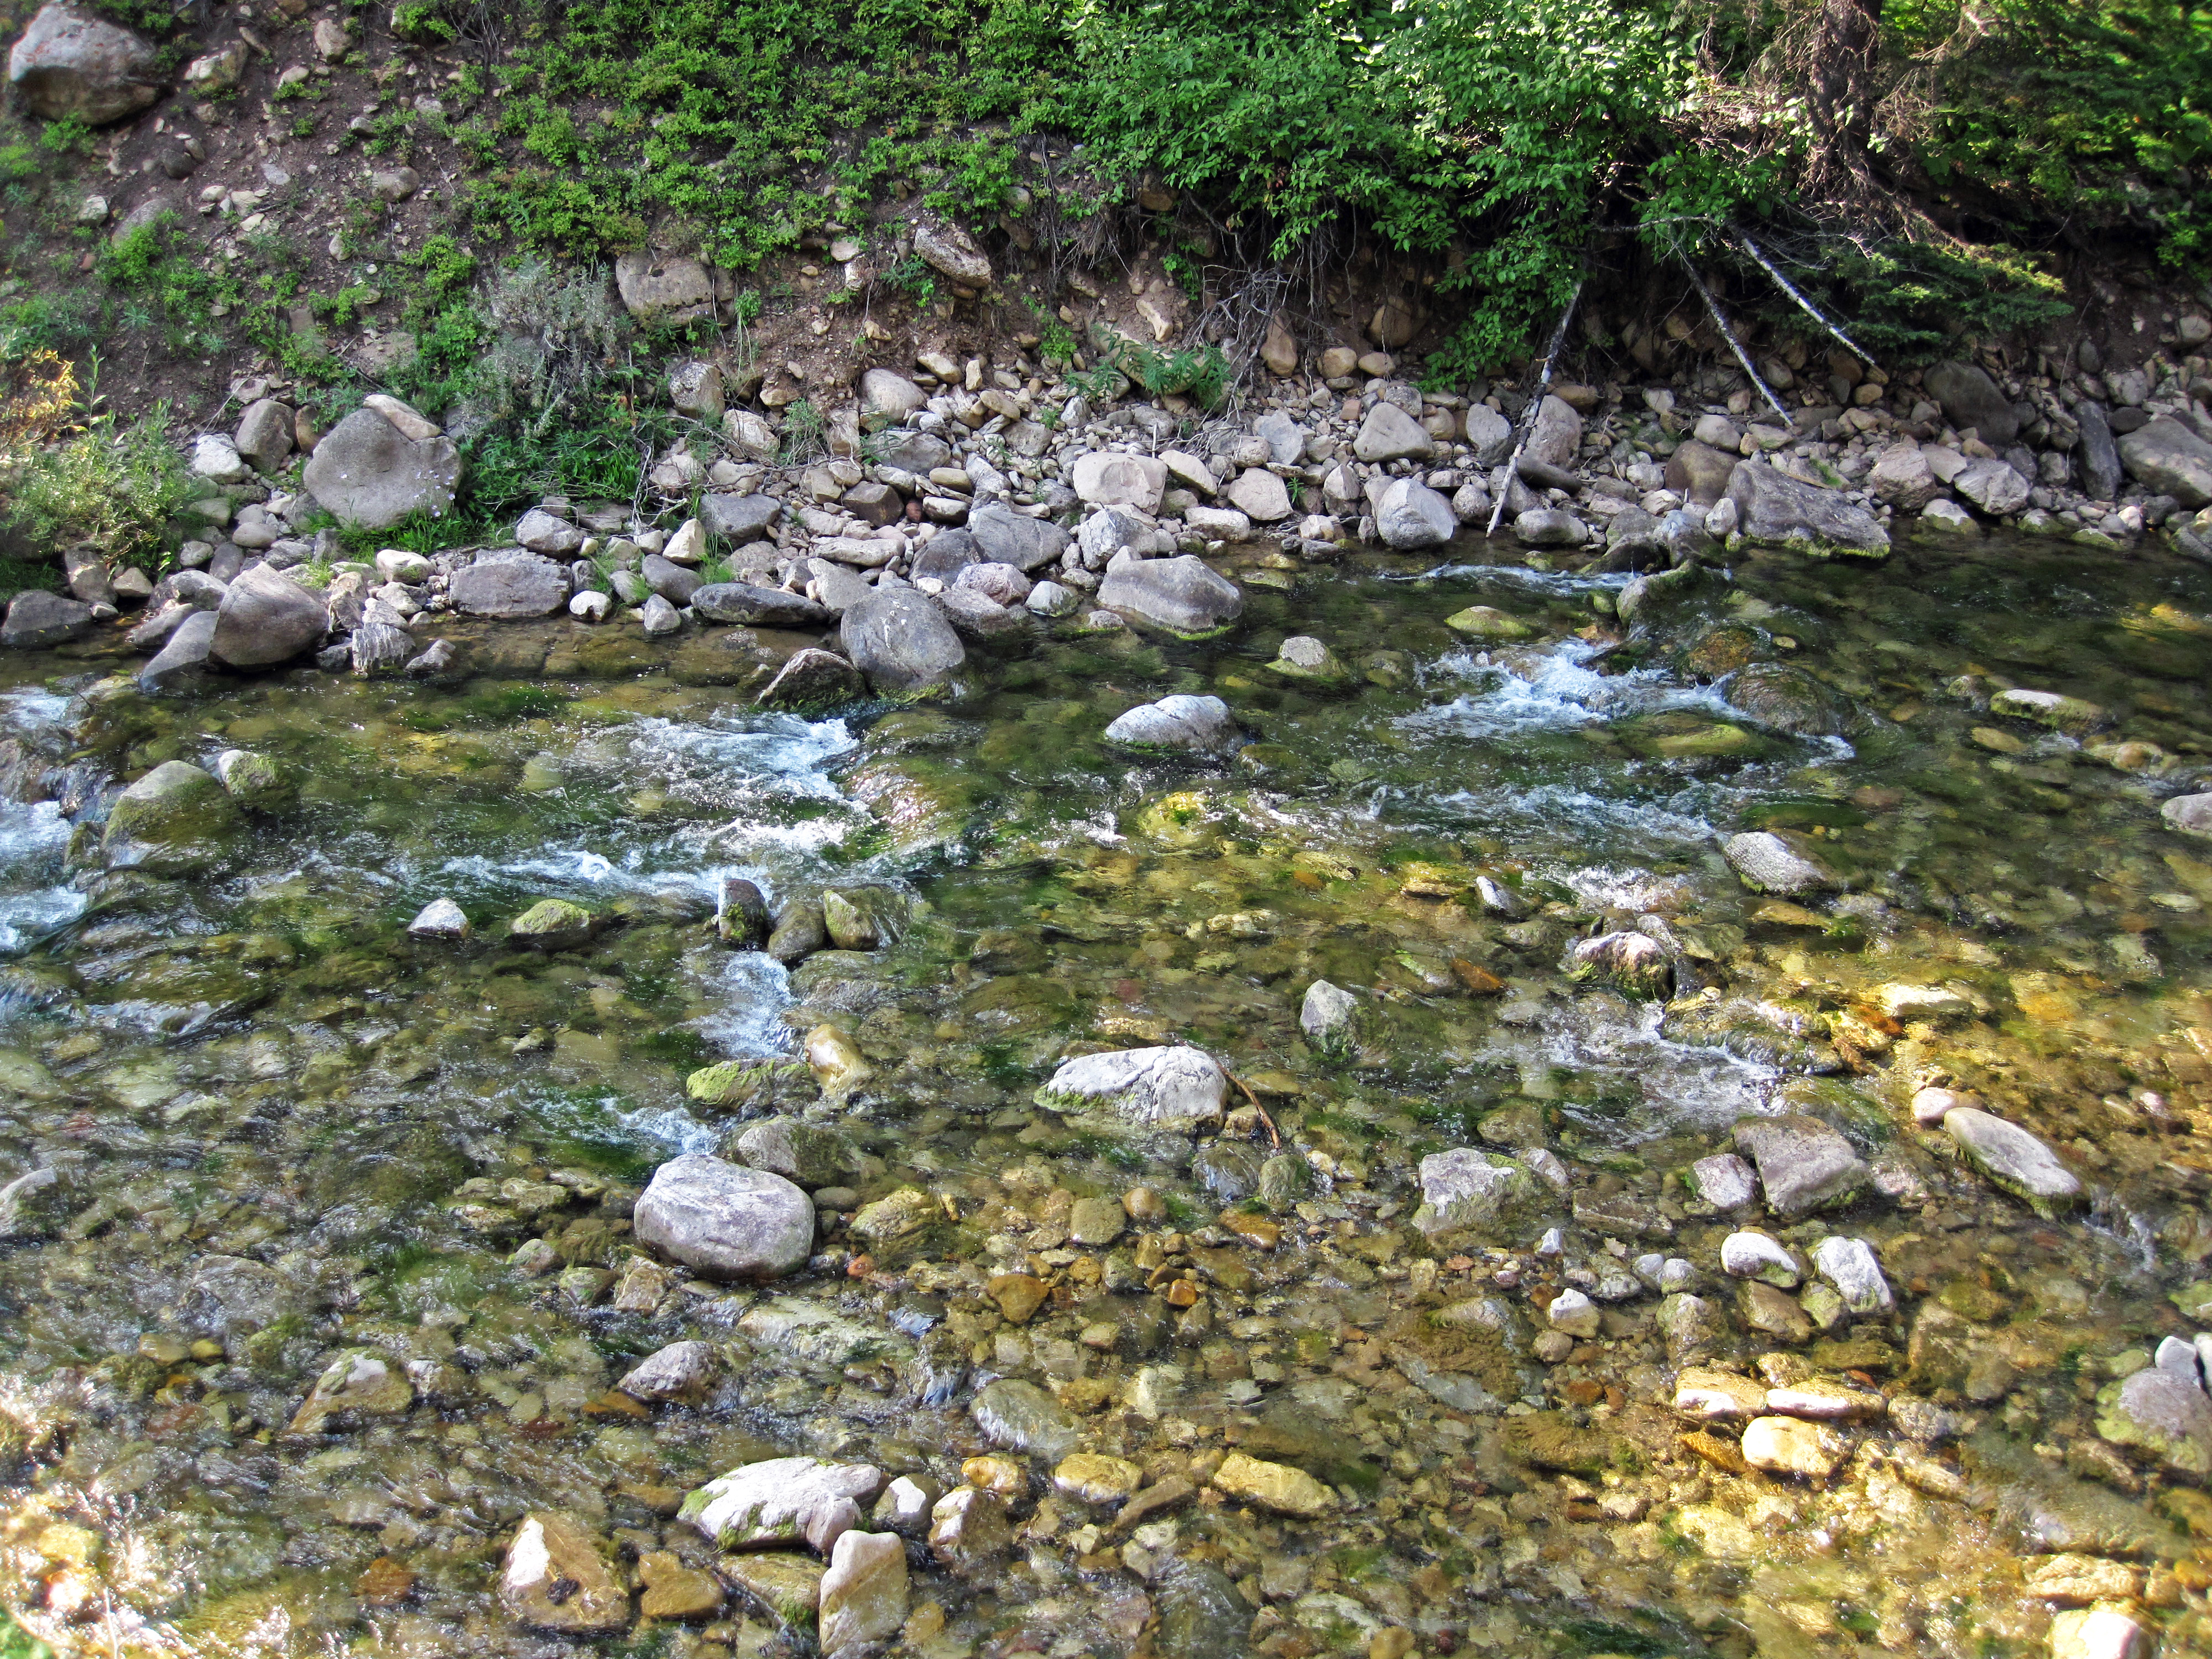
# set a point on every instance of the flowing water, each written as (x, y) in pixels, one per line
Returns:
(282, 1128)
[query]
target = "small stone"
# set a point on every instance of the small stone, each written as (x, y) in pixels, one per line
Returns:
(2014, 1159)
(1017, 1294)
(1754, 1255)
(864, 1596)
(359, 1382)
(1714, 1396)
(1851, 1266)
(1574, 1314)
(1724, 1181)
(1095, 1479)
(1273, 1486)
(674, 1591)
(2098, 1633)
(679, 1371)
(1329, 1017)
(1787, 1445)
(969, 1530)
(781, 1501)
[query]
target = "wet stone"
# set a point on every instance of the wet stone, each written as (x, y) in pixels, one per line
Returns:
(1093, 1477)
(1754, 1255)
(2014, 1159)
(1716, 1396)
(781, 1501)
(674, 1591)
(1277, 1487)
(786, 1587)
(969, 1531)
(724, 1221)
(1785, 1445)
(863, 1595)
(1724, 1181)
(1175, 1089)
(358, 1383)
(679, 1371)
(556, 1578)
(1803, 1164)
(1023, 1418)
(2165, 1416)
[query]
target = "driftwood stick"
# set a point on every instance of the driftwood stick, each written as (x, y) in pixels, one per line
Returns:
(1804, 304)
(1720, 322)
(1271, 1134)
(1535, 404)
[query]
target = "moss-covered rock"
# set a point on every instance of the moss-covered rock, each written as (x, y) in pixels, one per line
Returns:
(176, 821)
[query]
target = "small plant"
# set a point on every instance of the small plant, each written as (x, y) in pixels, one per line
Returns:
(67, 136)
(913, 277)
(114, 485)
(803, 432)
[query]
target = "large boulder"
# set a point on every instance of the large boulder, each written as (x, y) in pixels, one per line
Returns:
(1700, 473)
(1389, 434)
(1468, 1187)
(724, 1221)
(1002, 536)
(174, 821)
(1107, 478)
(2013, 1159)
(1183, 596)
(665, 288)
(1803, 1164)
(901, 642)
(72, 65)
(738, 519)
(1180, 1088)
(1411, 515)
(36, 617)
(371, 475)
(2166, 456)
(184, 655)
(1556, 438)
(266, 617)
(1970, 399)
(1489, 434)
(1902, 477)
(1259, 494)
(1772, 507)
(758, 607)
(1993, 486)
(510, 585)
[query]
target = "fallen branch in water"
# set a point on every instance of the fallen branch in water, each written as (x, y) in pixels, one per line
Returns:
(1272, 1135)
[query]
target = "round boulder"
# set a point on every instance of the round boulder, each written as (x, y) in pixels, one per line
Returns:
(724, 1221)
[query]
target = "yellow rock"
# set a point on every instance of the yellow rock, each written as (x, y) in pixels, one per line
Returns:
(1097, 1479)
(1274, 1486)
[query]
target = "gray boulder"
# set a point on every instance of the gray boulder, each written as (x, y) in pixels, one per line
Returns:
(1970, 399)
(1772, 507)
(2191, 814)
(510, 585)
(37, 618)
(264, 434)
(1284, 438)
(919, 453)
(887, 398)
(174, 821)
(1006, 536)
(370, 475)
(2167, 457)
(70, 64)
(758, 607)
(2013, 1158)
(724, 1221)
(1556, 438)
(669, 579)
(1411, 515)
(738, 519)
(2162, 1413)
(1389, 434)
(1803, 1164)
(976, 616)
(1467, 1187)
(1183, 596)
(2100, 455)
(811, 680)
(266, 617)
(901, 642)
(1489, 434)
(1700, 473)
(1177, 722)
(1992, 486)
(1901, 477)
(1778, 861)
(659, 288)
(1178, 1088)
(185, 654)
(1550, 526)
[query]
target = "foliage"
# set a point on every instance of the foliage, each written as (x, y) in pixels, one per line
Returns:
(112, 484)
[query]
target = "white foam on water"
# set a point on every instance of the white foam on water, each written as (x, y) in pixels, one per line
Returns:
(1580, 812)
(1605, 888)
(33, 901)
(750, 992)
(1553, 689)
(671, 1127)
(1680, 1085)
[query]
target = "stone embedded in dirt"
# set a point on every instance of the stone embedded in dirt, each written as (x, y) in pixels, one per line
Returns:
(37, 618)
(371, 475)
(71, 64)
(1183, 596)
(1778, 861)
(887, 398)
(555, 1579)
(665, 288)
(1773, 507)
(738, 519)
(2169, 457)
(901, 642)
(264, 434)
(782, 1500)
(2161, 1413)
(2013, 1158)
(1410, 515)
(1468, 1188)
(1803, 1164)
(1386, 433)
(186, 653)
(695, 388)
(1969, 397)
(510, 584)
(725, 1221)
(1109, 478)
(864, 1594)
(1178, 1088)
(1278, 1488)
(1181, 722)
(680, 1371)
(952, 252)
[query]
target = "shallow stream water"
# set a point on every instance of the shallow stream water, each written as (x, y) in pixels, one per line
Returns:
(284, 1128)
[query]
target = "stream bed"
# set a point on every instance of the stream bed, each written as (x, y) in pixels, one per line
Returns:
(281, 1130)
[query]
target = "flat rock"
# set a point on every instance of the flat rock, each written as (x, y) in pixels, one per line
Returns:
(1803, 1164)
(758, 607)
(2170, 459)
(1715, 1396)
(37, 618)
(1773, 507)
(1177, 1088)
(510, 585)
(1278, 1488)
(1789, 1445)
(1107, 478)
(1023, 1418)
(725, 1221)
(1468, 1188)
(2163, 1414)
(1778, 861)
(1181, 722)
(665, 288)
(738, 519)
(2013, 1159)
(782, 1501)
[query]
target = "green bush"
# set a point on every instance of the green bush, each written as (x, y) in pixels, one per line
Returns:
(114, 485)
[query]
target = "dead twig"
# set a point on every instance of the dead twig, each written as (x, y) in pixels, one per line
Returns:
(1273, 1137)
(1535, 402)
(1804, 304)
(1720, 322)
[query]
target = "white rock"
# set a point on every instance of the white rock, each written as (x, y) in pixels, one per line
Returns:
(1574, 1313)
(591, 606)
(1180, 1088)
(1754, 1255)
(1329, 1015)
(440, 919)
(215, 458)
(2097, 1633)
(688, 546)
(782, 1501)
(1724, 1181)
(1181, 722)
(1850, 1265)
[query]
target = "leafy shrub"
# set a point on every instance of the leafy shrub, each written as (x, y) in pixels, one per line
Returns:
(114, 485)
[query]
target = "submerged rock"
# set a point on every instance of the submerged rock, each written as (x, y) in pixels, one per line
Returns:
(2161, 1413)
(1021, 1417)
(1468, 1188)
(864, 1594)
(724, 1221)
(555, 1579)
(1174, 722)
(1177, 1088)
(1329, 1017)
(554, 924)
(2013, 1158)
(174, 821)
(1778, 861)
(1275, 1486)
(1803, 1164)
(359, 1382)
